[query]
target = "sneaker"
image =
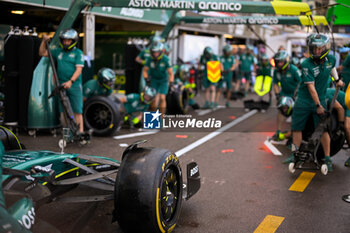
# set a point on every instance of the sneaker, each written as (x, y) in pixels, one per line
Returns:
(347, 163)
(206, 105)
(278, 136)
(328, 162)
(227, 104)
(289, 143)
(290, 159)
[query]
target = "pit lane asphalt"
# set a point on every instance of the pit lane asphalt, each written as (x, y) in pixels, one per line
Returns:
(239, 188)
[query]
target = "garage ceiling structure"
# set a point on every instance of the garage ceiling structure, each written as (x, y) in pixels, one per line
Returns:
(47, 19)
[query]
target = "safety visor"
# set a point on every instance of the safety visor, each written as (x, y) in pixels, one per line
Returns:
(147, 98)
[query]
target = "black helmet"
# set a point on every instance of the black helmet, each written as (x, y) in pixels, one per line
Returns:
(281, 56)
(286, 105)
(106, 78)
(148, 94)
(227, 50)
(68, 34)
(157, 50)
(318, 45)
(208, 52)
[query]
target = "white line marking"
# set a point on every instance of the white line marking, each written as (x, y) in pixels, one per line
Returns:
(214, 134)
(284, 142)
(272, 148)
(204, 112)
(135, 134)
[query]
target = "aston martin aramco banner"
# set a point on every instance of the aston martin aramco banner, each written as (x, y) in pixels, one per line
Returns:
(275, 7)
(268, 20)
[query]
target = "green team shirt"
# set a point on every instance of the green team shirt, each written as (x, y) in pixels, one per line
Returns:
(227, 63)
(133, 104)
(288, 79)
(93, 88)
(144, 54)
(66, 64)
(247, 60)
(158, 69)
(346, 71)
(317, 74)
(340, 98)
(264, 69)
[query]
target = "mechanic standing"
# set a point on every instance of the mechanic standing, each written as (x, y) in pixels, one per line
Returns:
(159, 73)
(102, 86)
(264, 69)
(210, 88)
(344, 70)
(286, 78)
(142, 58)
(70, 63)
(311, 96)
(247, 61)
(228, 64)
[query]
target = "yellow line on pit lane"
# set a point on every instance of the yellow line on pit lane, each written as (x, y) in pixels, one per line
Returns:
(269, 224)
(302, 182)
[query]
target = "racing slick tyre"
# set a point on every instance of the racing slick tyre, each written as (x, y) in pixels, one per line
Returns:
(9, 140)
(337, 135)
(102, 115)
(148, 191)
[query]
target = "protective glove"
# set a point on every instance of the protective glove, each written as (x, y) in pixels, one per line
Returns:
(171, 87)
(278, 97)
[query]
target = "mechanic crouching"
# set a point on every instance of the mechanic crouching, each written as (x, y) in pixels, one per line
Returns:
(135, 104)
(286, 78)
(102, 86)
(311, 95)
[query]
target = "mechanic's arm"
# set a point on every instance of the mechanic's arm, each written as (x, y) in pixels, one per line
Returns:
(337, 80)
(140, 61)
(340, 68)
(275, 84)
(276, 89)
(171, 75)
(236, 64)
(145, 73)
(42, 49)
(314, 96)
(75, 76)
(123, 99)
(232, 67)
(199, 66)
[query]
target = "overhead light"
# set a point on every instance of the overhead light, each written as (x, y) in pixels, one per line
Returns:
(228, 36)
(17, 12)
